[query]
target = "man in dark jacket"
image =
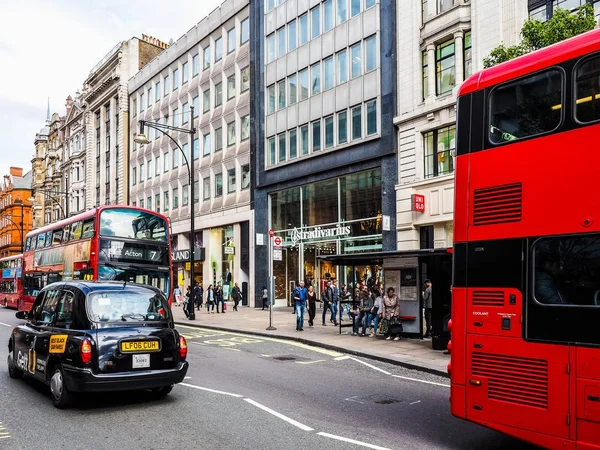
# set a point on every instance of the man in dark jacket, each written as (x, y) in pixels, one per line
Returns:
(236, 295)
(428, 306)
(197, 296)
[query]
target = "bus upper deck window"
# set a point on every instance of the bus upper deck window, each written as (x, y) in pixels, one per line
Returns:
(587, 91)
(526, 107)
(88, 229)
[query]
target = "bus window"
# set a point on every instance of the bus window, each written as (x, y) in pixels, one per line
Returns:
(587, 91)
(88, 229)
(66, 233)
(48, 238)
(76, 231)
(41, 240)
(57, 236)
(27, 244)
(527, 107)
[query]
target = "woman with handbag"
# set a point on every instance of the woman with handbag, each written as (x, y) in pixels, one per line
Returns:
(390, 313)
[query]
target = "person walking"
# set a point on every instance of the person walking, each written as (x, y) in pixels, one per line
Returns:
(428, 307)
(300, 295)
(327, 297)
(265, 298)
(177, 295)
(236, 295)
(210, 299)
(198, 296)
(312, 305)
(335, 297)
(390, 312)
(219, 298)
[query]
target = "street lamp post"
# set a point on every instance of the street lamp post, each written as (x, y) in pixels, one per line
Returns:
(141, 138)
(19, 202)
(2, 216)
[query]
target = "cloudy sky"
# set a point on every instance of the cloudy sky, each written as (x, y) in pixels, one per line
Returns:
(47, 49)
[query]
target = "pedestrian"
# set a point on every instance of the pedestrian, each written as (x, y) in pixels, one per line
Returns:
(375, 313)
(219, 298)
(335, 297)
(198, 296)
(186, 301)
(312, 305)
(299, 296)
(236, 295)
(265, 298)
(177, 295)
(210, 299)
(427, 306)
(390, 312)
(327, 297)
(365, 308)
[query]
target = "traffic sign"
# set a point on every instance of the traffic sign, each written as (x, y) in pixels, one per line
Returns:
(271, 232)
(277, 241)
(277, 255)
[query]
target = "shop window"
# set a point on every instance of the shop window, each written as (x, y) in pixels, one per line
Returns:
(285, 209)
(445, 67)
(360, 196)
(320, 203)
(438, 147)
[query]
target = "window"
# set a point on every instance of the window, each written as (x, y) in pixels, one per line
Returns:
(134, 176)
(281, 94)
(271, 101)
(304, 139)
(218, 139)
(327, 15)
(149, 98)
(281, 42)
(166, 162)
(166, 86)
(271, 47)
(329, 135)
(157, 91)
(315, 18)
(175, 198)
(149, 203)
(292, 35)
(195, 65)
(438, 146)
(141, 102)
(342, 67)
(425, 75)
(527, 107)
(342, 11)
(282, 149)
(303, 84)
(149, 169)
(185, 195)
(303, 37)
(245, 176)
(356, 55)
(175, 79)
(157, 166)
(218, 185)
(206, 100)
(196, 105)
(230, 87)
(196, 192)
(175, 158)
(231, 180)
(231, 40)
(231, 134)
(328, 75)
(293, 144)
(539, 13)
(206, 61)
(292, 88)
(445, 67)
(342, 127)
(245, 73)
(245, 127)
(444, 5)
(357, 122)
(315, 73)
(369, 3)
(468, 56)
(271, 148)
(186, 113)
(218, 49)
(218, 94)
(354, 7)
(206, 144)
(166, 201)
(196, 146)
(141, 173)
(316, 136)
(371, 117)
(245, 35)
(586, 90)
(371, 53)
(142, 203)
(175, 117)
(206, 188)
(134, 106)
(185, 76)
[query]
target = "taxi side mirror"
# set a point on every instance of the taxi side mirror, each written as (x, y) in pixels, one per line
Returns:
(24, 315)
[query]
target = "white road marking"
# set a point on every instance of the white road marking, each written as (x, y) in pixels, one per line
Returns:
(233, 349)
(341, 358)
(310, 362)
(281, 416)
(187, 378)
(352, 441)
(211, 390)
(422, 381)
(414, 403)
(266, 356)
(5, 324)
(351, 399)
(371, 366)
(4, 437)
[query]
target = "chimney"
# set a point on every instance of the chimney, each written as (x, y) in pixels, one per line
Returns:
(16, 172)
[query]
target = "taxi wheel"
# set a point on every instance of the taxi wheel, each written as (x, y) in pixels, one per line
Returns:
(13, 371)
(162, 391)
(61, 397)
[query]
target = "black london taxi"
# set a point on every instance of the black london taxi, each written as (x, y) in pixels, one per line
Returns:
(98, 336)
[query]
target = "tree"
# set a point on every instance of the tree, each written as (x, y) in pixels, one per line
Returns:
(536, 34)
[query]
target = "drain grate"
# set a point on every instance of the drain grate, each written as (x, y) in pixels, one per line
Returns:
(284, 358)
(380, 399)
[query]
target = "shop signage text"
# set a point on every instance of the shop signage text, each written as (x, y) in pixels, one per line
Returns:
(180, 255)
(319, 233)
(418, 202)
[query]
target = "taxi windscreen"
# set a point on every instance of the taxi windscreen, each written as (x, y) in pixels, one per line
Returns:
(127, 306)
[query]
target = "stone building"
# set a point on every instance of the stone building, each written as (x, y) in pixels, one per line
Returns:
(15, 211)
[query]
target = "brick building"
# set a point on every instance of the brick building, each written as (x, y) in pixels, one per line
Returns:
(15, 211)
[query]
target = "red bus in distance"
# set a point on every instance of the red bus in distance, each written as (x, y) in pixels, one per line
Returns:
(116, 242)
(525, 339)
(10, 281)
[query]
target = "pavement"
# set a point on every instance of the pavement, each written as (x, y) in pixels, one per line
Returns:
(408, 352)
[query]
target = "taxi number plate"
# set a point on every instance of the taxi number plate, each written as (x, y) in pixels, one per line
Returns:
(139, 346)
(142, 360)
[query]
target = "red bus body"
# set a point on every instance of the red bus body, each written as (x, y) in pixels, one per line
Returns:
(11, 288)
(115, 242)
(520, 365)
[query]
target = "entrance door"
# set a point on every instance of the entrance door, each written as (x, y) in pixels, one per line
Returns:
(316, 271)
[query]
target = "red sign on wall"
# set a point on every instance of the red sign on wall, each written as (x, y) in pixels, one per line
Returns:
(418, 202)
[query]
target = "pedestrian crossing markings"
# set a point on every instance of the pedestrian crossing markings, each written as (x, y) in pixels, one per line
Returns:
(3, 433)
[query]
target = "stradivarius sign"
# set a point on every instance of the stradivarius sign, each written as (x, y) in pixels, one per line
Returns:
(319, 233)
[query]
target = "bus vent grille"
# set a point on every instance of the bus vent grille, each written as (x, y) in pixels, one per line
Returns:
(487, 298)
(498, 204)
(512, 379)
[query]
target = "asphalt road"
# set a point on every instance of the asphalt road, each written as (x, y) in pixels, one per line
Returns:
(245, 392)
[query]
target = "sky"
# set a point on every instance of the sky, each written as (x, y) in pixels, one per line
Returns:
(47, 49)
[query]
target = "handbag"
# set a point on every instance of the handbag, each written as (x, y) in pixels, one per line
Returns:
(396, 325)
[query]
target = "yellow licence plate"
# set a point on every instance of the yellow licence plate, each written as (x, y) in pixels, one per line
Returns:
(140, 346)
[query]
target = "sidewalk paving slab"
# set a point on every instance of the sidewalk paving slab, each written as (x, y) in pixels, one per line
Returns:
(408, 352)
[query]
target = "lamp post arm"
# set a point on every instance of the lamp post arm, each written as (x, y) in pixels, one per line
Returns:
(59, 205)
(185, 160)
(19, 227)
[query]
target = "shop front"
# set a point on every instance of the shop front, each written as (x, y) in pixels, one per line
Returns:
(341, 215)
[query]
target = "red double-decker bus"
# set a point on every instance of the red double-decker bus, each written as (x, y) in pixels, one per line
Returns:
(121, 243)
(525, 328)
(10, 280)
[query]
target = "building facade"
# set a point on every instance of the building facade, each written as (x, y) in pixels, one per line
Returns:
(325, 154)
(106, 120)
(207, 69)
(74, 157)
(441, 43)
(15, 211)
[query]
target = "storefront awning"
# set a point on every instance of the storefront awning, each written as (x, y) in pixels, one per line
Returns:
(378, 257)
